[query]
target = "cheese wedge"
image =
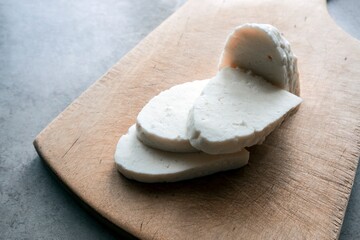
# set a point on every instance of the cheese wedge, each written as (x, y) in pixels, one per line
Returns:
(235, 110)
(139, 162)
(161, 123)
(263, 50)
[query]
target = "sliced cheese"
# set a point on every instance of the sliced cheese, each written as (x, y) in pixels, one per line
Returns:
(161, 123)
(139, 162)
(263, 50)
(235, 110)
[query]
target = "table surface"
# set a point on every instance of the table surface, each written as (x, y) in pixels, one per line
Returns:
(50, 52)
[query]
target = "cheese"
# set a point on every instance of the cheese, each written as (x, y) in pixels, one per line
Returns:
(139, 162)
(161, 123)
(202, 127)
(235, 110)
(263, 50)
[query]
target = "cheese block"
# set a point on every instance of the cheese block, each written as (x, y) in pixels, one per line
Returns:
(161, 123)
(263, 50)
(139, 162)
(235, 110)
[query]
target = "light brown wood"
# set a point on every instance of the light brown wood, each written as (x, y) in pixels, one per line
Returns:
(298, 182)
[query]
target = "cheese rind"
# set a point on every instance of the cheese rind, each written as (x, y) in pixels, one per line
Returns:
(235, 110)
(139, 162)
(262, 49)
(161, 123)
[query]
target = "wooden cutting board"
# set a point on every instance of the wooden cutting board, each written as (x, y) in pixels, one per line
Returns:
(297, 183)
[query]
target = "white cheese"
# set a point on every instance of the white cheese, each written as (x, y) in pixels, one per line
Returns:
(235, 110)
(137, 161)
(161, 123)
(263, 50)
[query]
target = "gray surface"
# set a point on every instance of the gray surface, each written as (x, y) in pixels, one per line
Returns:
(50, 51)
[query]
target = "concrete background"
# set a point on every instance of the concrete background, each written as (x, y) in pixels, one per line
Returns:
(50, 52)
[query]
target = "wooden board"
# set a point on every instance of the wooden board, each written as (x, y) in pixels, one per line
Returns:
(298, 182)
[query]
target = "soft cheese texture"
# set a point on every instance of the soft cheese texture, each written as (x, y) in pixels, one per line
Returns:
(161, 123)
(235, 110)
(137, 161)
(263, 50)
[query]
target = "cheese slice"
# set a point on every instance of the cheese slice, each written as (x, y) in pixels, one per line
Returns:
(263, 50)
(235, 110)
(161, 123)
(139, 162)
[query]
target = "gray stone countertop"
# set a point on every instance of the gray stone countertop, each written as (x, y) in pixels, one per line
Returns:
(50, 52)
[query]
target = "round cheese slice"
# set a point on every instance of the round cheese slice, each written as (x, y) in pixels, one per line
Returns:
(139, 162)
(263, 50)
(161, 123)
(235, 110)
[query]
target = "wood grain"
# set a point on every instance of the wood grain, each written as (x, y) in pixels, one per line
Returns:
(298, 182)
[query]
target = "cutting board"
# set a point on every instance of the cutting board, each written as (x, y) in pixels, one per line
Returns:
(297, 183)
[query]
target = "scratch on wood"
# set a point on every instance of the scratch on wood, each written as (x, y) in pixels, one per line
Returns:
(70, 147)
(181, 36)
(182, 33)
(342, 154)
(156, 232)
